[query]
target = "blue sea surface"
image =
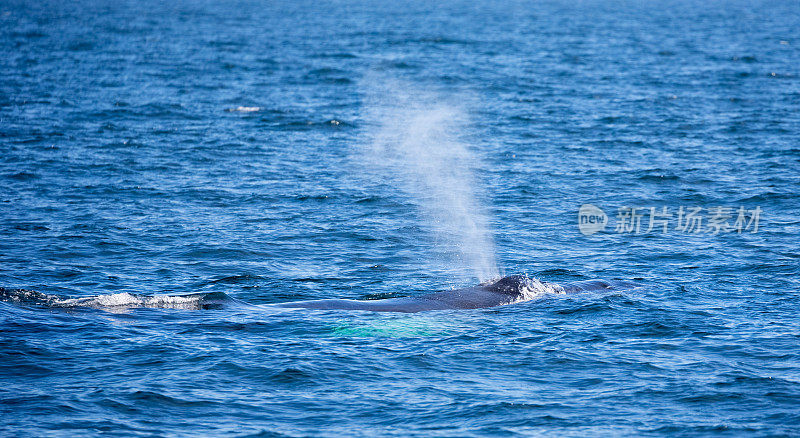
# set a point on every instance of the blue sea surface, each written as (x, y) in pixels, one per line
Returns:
(167, 169)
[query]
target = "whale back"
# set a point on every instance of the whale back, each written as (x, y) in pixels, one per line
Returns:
(511, 285)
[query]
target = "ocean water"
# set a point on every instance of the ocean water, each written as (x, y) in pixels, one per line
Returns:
(168, 168)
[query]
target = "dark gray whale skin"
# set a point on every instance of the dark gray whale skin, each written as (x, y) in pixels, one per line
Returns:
(507, 290)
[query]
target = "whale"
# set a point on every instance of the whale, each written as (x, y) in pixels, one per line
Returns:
(507, 290)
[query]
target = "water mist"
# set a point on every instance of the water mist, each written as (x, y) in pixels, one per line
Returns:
(415, 143)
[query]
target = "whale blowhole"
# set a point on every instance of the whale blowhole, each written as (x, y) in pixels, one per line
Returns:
(522, 287)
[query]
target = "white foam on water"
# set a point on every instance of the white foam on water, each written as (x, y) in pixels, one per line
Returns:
(125, 299)
(244, 109)
(535, 288)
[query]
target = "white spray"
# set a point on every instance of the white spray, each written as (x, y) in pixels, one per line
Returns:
(415, 142)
